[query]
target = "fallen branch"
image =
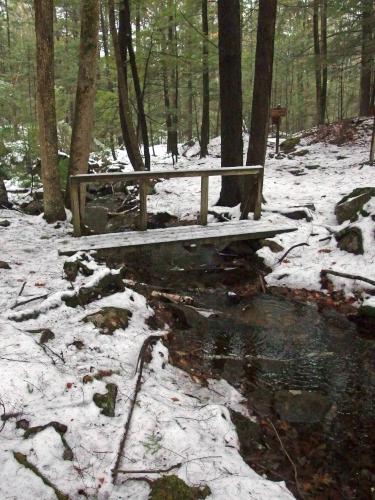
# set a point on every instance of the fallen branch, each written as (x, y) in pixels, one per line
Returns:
(167, 469)
(140, 363)
(22, 459)
(290, 249)
(39, 297)
(324, 272)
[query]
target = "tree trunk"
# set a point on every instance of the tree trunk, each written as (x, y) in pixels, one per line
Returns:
(86, 90)
(52, 196)
(366, 56)
(137, 85)
(324, 62)
(205, 128)
(256, 154)
(129, 136)
(320, 60)
(229, 21)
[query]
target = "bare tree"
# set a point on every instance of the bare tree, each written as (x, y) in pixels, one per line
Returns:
(129, 136)
(86, 90)
(229, 16)
(205, 128)
(256, 154)
(52, 196)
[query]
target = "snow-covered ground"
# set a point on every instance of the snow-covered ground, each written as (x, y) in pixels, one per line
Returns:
(175, 419)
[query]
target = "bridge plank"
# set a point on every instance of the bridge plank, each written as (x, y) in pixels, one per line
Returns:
(214, 232)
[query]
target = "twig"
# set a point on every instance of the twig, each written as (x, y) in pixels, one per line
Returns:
(2, 416)
(22, 289)
(290, 249)
(39, 297)
(262, 283)
(288, 456)
(167, 469)
(346, 275)
(140, 363)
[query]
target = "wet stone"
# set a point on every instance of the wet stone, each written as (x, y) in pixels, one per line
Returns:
(301, 406)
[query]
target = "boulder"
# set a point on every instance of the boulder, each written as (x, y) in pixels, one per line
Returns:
(289, 145)
(302, 406)
(349, 207)
(297, 214)
(109, 319)
(350, 240)
(301, 152)
(34, 207)
(4, 223)
(107, 402)
(272, 245)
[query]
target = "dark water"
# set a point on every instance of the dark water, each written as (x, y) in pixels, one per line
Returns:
(305, 370)
(297, 365)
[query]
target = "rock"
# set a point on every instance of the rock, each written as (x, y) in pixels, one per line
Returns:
(351, 205)
(96, 218)
(72, 268)
(312, 167)
(109, 319)
(272, 245)
(4, 223)
(46, 334)
(301, 406)
(249, 433)
(174, 488)
(367, 311)
(34, 207)
(107, 402)
(108, 285)
(289, 145)
(297, 215)
(4, 265)
(350, 240)
(301, 152)
(341, 157)
(297, 172)
(161, 220)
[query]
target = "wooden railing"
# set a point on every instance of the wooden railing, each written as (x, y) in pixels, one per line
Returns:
(78, 181)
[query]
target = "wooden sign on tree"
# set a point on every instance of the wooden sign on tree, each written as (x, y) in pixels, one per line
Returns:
(276, 115)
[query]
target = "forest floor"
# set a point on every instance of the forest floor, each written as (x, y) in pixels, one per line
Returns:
(59, 436)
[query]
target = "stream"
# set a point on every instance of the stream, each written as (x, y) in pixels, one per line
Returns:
(305, 371)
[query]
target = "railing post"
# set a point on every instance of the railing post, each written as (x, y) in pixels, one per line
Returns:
(74, 200)
(204, 200)
(258, 201)
(143, 205)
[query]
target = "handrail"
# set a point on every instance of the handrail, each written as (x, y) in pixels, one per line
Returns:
(77, 194)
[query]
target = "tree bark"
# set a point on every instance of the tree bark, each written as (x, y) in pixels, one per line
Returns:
(129, 135)
(137, 85)
(52, 196)
(320, 59)
(86, 91)
(366, 57)
(205, 128)
(256, 154)
(230, 76)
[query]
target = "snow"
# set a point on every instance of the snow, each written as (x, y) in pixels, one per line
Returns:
(175, 419)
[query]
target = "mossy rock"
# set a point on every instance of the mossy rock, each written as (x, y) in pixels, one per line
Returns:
(174, 488)
(109, 319)
(351, 205)
(107, 402)
(108, 285)
(289, 145)
(367, 311)
(350, 240)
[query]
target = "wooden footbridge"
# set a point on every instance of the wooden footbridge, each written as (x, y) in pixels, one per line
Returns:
(203, 234)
